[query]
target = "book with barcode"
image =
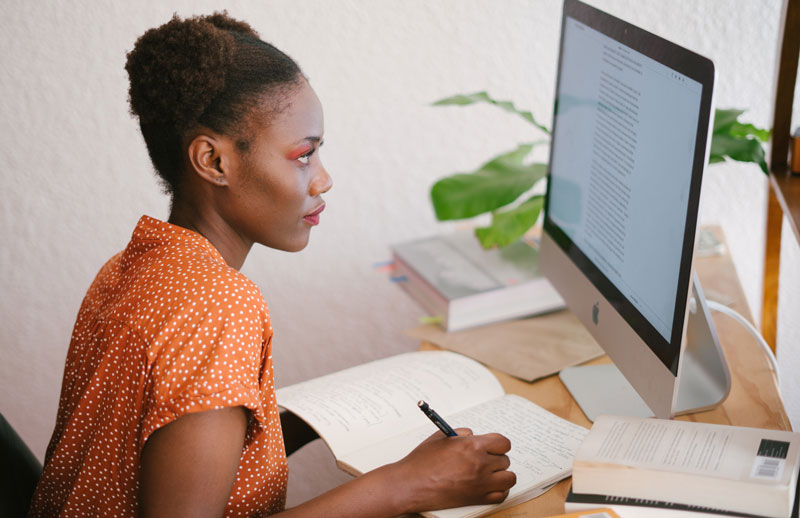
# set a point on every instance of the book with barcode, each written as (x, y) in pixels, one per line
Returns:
(463, 285)
(727, 468)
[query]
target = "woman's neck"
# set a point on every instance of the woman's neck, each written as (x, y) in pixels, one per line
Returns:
(208, 223)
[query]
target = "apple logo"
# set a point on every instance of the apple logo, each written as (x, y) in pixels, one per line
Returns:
(595, 312)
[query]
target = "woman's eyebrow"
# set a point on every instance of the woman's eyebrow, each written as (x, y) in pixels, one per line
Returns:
(313, 140)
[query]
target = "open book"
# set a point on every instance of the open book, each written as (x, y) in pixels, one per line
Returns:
(730, 468)
(368, 417)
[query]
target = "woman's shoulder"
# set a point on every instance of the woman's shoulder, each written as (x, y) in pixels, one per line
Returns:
(177, 284)
(201, 276)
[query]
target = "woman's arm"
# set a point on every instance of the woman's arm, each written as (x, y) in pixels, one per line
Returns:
(189, 467)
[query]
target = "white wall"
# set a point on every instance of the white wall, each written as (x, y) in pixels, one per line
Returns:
(788, 328)
(76, 177)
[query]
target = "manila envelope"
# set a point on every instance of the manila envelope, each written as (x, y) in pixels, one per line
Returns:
(529, 348)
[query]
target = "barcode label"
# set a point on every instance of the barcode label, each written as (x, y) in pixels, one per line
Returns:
(771, 448)
(770, 459)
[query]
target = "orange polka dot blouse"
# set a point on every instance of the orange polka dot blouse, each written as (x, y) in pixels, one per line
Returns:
(167, 328)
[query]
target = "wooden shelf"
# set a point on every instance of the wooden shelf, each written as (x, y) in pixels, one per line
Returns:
(784, 191)
(787, 190)
(786, 186)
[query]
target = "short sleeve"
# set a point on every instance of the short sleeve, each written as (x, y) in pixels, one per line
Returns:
(166, 329)
(208, 354)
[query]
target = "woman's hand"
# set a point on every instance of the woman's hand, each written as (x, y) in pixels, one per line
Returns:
(447, 472)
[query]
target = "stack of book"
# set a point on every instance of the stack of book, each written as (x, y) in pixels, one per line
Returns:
(462, 285)
(655, 467)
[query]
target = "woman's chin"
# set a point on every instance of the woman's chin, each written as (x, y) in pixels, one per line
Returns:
(294, 245)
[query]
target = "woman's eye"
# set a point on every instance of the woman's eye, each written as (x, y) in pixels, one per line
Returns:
(304, 159)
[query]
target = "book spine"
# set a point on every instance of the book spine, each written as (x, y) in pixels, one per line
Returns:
(421, 291)
(629, 506)
(686, 488)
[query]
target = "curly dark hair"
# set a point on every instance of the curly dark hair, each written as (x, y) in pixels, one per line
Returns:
(204, 70)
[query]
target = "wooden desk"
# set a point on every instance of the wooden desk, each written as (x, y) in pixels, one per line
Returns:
(754, 399)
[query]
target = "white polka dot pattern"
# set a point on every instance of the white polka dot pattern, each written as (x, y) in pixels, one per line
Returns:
(166, 329)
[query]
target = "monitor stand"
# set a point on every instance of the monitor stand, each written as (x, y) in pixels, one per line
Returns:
(704, 381)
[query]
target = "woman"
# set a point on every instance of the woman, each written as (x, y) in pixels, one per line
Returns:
(167, 405)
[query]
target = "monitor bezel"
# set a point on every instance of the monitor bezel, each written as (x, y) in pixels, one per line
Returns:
(697, 68)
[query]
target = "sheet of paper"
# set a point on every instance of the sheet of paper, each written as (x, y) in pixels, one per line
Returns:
(542, 444)
(528, 349)
(373, 401)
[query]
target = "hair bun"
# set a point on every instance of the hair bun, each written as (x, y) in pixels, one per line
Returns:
(177, 69)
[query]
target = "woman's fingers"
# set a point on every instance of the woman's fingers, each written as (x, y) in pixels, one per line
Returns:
(500, 483)
(499, 463)
(496, 444)
(495, 497)
(504, 479)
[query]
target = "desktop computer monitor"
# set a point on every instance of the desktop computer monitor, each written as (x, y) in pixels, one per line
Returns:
(630, 141)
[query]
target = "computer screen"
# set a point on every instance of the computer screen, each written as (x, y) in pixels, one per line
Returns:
(628, 148)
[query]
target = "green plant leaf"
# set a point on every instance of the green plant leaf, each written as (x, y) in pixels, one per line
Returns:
(510, 225)
(724, 118)
(745, 130)
(740, 149)
(483, 97)
(737, 140)
(495, 184)
(727, 121)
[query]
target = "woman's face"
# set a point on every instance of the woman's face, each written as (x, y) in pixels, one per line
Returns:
(275, 196)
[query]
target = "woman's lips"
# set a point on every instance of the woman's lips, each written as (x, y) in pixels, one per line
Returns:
(313, 218)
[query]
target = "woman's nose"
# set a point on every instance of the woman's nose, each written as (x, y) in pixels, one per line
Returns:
(321, 183)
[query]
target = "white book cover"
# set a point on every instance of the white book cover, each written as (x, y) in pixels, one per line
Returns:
(454, 278)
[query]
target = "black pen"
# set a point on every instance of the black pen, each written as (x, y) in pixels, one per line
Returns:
(437, 419)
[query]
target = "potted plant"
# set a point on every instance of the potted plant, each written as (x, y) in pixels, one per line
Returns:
(497, 186)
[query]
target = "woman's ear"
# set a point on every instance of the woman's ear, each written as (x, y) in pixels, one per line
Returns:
(208, 158)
